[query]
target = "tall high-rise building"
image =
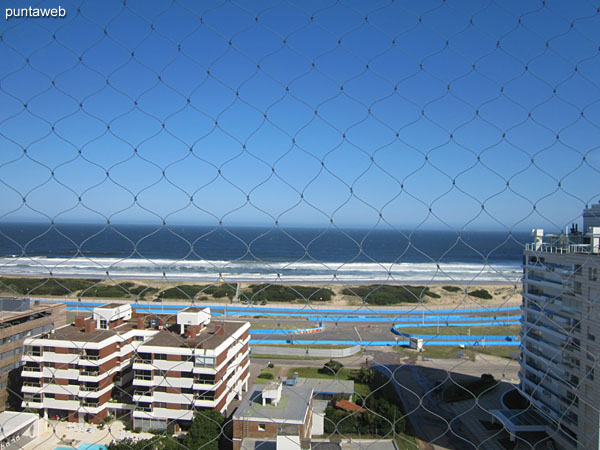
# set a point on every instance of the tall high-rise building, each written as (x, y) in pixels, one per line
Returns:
(561, 332)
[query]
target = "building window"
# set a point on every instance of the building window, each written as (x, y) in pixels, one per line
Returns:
(262, 427)
(160, 356)
(205, 361)
(593, 274)
(103, 324)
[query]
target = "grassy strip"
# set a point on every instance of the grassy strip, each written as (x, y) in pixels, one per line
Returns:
(322, 346)
(492, 330)
(290, 357)
(449, 351)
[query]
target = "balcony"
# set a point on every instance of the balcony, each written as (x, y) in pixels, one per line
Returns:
(89, 373)
(85, 388)
(140, 408)
(559, 248)
(139, 377)
(143, 393)
(32, 384)
(89, 403)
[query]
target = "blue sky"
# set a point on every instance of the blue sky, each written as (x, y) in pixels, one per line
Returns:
(408, 114)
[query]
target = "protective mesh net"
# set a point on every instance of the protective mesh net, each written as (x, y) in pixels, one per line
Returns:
(354, 179)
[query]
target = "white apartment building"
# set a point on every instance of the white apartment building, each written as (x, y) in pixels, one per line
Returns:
(561, 332)
(160, 368)
(195, 364)
(75, 370)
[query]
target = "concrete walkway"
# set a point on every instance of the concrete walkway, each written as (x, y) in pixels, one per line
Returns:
(53, 432)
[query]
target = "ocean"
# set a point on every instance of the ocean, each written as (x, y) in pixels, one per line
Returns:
(308, 255)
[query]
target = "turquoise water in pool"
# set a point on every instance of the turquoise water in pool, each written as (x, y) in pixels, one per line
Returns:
(84, 447)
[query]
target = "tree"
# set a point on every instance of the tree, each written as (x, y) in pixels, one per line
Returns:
(205, 431)
(365, 375)
(331, 367)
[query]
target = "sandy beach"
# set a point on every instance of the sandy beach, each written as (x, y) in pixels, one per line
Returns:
(444, 295)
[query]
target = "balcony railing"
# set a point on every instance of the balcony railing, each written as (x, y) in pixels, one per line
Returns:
(143, 393)
(89, 404)
(558, 248)
(90, 373)
(85, 388)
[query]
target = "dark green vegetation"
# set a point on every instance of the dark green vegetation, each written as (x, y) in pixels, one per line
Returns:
(469, 389)
(331, 367)
(452, 288)
(390, 295)
(220, 291)
(481, 293)
(383, 415)
(281, 293)
(44, 286)
(266, 376)
(121, 290)
(204, 433)
(81, 287)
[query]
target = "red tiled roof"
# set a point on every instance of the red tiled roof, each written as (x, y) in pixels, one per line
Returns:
(349, 406)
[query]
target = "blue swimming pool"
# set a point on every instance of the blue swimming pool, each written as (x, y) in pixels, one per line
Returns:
(84, 447)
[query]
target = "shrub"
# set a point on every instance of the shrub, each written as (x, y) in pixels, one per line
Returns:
(481, 293)
(45, 286)
(365, 375)
(331, 367)
(221, 290)
(280, 293)
(451, 288)
(266, 376)
(390, 294)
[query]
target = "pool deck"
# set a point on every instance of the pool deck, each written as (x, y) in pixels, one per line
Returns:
(52, 431)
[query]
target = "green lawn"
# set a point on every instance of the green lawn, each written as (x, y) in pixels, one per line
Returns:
(492, 330)
(447, 351)
(286, 326)
(291, 357)
(362, 389)
(309, 345)
(313, 372)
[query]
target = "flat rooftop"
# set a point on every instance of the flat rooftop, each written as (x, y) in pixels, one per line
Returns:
(111, 305)
(292, 407)
(325, 386)
(76, 334)
(193, 309)
(206, 339)
(32, 309)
